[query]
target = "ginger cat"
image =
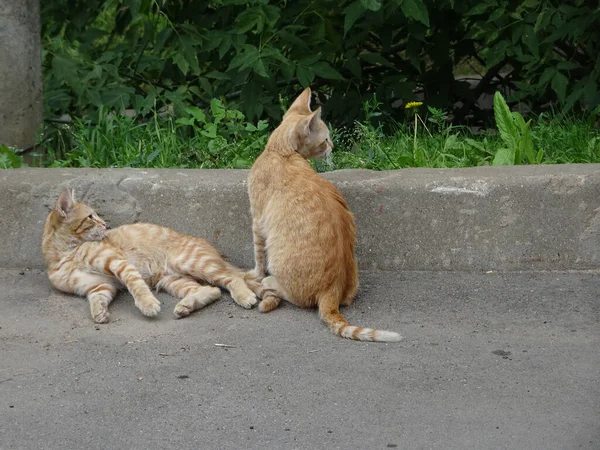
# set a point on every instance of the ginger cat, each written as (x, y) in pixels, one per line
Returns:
(304, 233)
(85, 257)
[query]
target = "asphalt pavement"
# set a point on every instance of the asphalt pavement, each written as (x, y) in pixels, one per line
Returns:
(489, 361)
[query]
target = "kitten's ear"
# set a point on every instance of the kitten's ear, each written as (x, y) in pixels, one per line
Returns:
(65, 201)
(309, 124)
(304, 128)
(302, 104)
(315, 118)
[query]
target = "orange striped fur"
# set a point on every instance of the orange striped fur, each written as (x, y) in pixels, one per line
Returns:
(304, 233)
(84, 257)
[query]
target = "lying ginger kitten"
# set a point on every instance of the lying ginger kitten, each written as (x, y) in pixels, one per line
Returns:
(85, 257)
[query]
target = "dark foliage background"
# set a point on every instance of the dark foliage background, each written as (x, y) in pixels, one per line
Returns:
(154, 55)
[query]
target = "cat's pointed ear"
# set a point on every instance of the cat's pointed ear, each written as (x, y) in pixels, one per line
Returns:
(302, 104)
(304, 128)
(309, 124)
(65, 201)
(315, 118)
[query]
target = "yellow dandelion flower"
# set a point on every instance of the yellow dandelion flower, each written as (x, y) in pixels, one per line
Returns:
(410, 105)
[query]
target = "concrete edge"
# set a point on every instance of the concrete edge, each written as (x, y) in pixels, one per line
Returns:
(486, 218)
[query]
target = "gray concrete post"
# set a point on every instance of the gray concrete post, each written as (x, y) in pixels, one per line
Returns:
(21, 109)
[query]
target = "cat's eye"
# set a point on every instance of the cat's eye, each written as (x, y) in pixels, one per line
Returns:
(91, 216)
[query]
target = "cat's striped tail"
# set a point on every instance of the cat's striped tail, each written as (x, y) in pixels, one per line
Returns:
(340, 326)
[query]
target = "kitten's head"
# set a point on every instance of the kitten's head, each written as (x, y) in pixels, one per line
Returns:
(308, 134)
(80, 220)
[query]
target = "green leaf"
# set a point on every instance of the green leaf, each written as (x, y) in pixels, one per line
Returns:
(353, 12)
(324, 70)
(531, 41)
(259, 68)
(547, 75)
(305, 75)
(505, 122)
(292, 39)
(540, 156)
(373, 5)
(559, 85)
(196, 113)
(217, 75)
(480, 8)
(504, 157)
(415, 9)
(181, 62)
(376, 58)
(251, 18)
(9, 159)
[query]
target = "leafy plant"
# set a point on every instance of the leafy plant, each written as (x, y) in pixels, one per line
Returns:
(9, 159)
(157, 55)
(516, 135)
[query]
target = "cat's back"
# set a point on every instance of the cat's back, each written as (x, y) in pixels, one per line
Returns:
(142, 235)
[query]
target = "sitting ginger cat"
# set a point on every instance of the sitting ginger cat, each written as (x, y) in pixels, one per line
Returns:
(304, 232)
(85, 257)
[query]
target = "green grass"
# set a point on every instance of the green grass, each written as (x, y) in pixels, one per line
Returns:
(221, 138)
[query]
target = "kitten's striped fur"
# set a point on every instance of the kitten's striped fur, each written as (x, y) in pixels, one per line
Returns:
(84, 257)
(304, 233)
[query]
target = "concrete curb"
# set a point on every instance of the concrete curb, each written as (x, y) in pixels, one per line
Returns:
(488, 218)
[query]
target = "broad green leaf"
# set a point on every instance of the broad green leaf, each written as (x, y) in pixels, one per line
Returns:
(376, 58)
(181, 62)
(415, 9)
(527, 149)
(353, 65)
(324, 70)
(496, 14)
(305, 75)
(540, 156)
(505, 122)
(559, 85)
(531, 41)
(259, 68)
(480, 8)
(291, 38)
(217, 75)
(196, 113)
(547, 75)
(253, 17)
(573, 98)
(504, 157)
(353, 12)
(373, 5)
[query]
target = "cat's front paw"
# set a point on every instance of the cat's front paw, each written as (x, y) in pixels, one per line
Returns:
(246, 300)
(99, 311)
(182, 310)
(149, 306)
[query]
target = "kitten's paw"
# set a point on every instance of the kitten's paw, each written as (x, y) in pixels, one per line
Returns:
(247, 300)
(198, 300)
(149, 306)
(181, 310)
(101, 316)
(99, 311)
(269, 303)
